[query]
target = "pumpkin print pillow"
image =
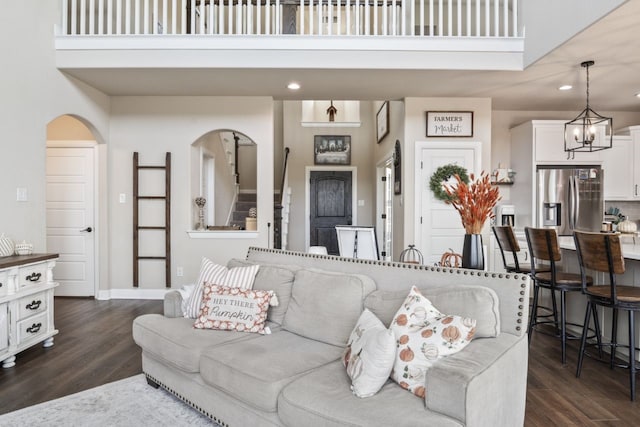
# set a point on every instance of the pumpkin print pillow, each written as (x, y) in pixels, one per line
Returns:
(369, 355)
(424, 335)
(234, 309)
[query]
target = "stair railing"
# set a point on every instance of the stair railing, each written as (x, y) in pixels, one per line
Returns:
(284, 175)
(281, 209)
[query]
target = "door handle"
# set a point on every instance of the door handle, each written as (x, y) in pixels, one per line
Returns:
(88, 230)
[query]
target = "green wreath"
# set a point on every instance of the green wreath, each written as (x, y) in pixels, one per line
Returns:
(442, 175)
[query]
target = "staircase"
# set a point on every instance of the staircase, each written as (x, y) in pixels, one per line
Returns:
(245, 202)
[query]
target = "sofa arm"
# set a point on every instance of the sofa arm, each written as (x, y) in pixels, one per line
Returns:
(173, 304)
(483, 385)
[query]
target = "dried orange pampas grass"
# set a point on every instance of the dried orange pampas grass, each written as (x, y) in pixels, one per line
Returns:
(474, 201)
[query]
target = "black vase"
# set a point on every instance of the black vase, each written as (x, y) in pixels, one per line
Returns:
(472, 252)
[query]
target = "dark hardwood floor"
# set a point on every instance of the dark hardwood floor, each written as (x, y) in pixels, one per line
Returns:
(94, 347)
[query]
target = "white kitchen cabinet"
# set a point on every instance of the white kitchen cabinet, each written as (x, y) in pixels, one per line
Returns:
(26, 304)
(548, 143)
(621, 166)
(618, 167)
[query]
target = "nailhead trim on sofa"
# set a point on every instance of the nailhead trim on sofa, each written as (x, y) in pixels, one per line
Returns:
(449, 270)
(187, 401)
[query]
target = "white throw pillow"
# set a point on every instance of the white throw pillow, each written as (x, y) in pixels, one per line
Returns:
(425, 335)
(185, 292)
(369, 356)
(210, 272)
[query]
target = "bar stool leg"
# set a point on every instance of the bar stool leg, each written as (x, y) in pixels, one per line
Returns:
(614, 337)
(632, 356)
(534, 310)
(596, 326)
(563, 326)
(555, 309)
(583, 341)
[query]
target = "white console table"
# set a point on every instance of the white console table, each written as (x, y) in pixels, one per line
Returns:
(26, 304)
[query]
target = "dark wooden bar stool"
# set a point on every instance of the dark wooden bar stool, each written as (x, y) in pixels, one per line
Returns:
(508, 244)
(543, 246)
(602, 252)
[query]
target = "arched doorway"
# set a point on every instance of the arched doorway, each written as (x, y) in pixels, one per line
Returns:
(224, 166)
(72, 205)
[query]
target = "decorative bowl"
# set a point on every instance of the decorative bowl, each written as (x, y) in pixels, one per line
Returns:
(24, 248)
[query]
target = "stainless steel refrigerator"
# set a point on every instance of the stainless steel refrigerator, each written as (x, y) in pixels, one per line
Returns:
(570, 198)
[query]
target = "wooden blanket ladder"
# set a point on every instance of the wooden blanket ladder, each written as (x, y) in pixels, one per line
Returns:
(137, 228)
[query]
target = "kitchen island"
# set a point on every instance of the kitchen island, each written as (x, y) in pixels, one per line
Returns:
(576, 302)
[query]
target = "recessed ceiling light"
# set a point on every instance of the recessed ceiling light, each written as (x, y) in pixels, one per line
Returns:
(565, 87)
(293, 86)
(638, 94)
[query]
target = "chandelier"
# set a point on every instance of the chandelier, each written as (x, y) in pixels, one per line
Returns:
(589, 131)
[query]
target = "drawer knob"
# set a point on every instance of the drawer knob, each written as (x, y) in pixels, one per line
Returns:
(34, 277)
(34, 305)
(34, 328)
(0, 284)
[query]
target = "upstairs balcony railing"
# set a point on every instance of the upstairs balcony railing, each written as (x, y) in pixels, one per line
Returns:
(429, 18)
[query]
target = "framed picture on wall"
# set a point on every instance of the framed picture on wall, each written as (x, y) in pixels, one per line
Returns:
(332, 150)
(382, 122)
(449, 123)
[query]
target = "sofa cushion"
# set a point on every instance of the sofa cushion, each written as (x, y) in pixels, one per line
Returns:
(322, 399)
(475, 302)
(210, 272)
(272, 278)
(255, 371)
(233, 309)
(175, 341)
(369, 355)
(425, 335)
(325, 306)
(465, 385)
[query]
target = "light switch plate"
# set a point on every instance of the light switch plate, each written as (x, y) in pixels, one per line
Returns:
(123, 198)
(21, 194)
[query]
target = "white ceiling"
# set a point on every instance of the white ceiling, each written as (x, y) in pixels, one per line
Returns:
(613, 42)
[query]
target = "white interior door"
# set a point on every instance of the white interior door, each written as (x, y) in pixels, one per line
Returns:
(70, 218)
(384, 212)
(439, 226)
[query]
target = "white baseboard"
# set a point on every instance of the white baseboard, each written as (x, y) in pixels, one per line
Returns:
(132, 294)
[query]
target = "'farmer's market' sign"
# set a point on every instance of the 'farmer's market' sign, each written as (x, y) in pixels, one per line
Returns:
(449, 123)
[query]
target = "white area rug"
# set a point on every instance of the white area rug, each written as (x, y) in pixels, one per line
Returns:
(128, 402)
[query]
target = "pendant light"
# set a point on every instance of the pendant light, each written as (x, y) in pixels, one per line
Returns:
(589, 131)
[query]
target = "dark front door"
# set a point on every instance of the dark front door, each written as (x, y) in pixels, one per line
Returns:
(330, 203)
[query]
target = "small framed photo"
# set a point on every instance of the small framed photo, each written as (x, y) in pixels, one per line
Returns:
(332, 150)
(449, 123)
(382, 122)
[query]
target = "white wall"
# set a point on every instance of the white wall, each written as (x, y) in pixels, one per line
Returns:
(549, 23)
(415, 130)
(154, 125)
(34, 93)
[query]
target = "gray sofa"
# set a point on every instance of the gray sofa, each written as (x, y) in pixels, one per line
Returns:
(294, 376)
